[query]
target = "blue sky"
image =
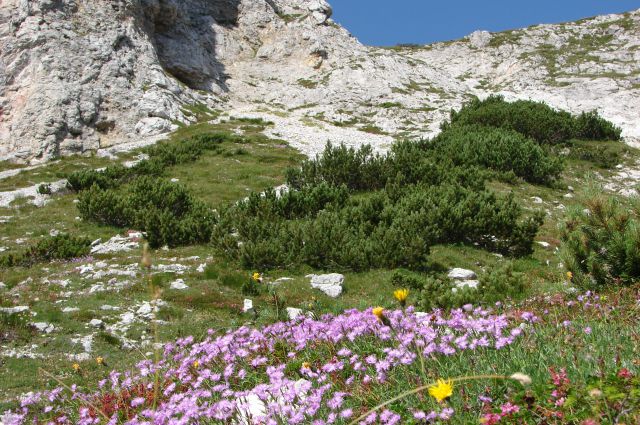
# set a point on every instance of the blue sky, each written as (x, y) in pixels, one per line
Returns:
(389, 22)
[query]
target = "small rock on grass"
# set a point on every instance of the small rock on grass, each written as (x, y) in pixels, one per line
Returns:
(330, 284)
(14, 310)
(294, 313)
(179, 285)
(96, 323)
(248, 305)
(461, 274)
(70, 309)
(44, 327)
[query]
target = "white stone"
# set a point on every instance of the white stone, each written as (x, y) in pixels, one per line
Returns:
(107, 307)
(294, 313)
(14, 310)
(247, 305)
(201, 268)
(536, 200)
(96, 323)
(480, 39)
(179, 285)
(70, 309)
(116, 244)
(145, 309)
(44, 327)
(171, 268)
(127, 318)
(330, 284)
(544, 244)
(461, 274)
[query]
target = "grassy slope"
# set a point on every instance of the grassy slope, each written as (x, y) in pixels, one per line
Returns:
(214, 299)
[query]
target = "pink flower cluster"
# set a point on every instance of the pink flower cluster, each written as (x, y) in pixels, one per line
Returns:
(246, 376)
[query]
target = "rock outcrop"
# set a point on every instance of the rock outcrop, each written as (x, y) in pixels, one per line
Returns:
(79, 75)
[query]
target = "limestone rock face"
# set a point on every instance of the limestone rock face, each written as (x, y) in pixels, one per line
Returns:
(79, 75)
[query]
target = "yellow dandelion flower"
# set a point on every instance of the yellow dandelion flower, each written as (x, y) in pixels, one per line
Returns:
(306, 365)
(100, 360)
(257, 277)
(569, 275)
(442, 390)
(378, 312)
(76, 367)
(196, 364)
(401, 295)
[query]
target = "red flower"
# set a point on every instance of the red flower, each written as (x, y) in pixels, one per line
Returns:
(624, 373)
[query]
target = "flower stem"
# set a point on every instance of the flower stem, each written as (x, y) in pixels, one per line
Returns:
(422, 388)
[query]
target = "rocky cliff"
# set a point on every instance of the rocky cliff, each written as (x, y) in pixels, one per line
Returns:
(79, 75)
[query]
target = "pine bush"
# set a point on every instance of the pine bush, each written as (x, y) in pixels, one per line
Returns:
(601, 242)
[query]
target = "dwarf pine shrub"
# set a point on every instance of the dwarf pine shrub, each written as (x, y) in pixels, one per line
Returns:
(166, 211)
(359, 169)
(51, 248)
(591, 126)
(601, 242)
(380, 229)
(497, 149)
(535, 120)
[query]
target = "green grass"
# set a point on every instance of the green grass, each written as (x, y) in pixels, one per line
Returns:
(58, 170)
(308, 84)
(505, 38)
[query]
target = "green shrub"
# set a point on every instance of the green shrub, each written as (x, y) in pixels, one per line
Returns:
(44, 189)
(51, 248)
(497, 149)
(339, 165)
(294, 203)
(606, 157)
(601, 242)
(591, 126)
(438, 291)
(166, 211)
(380, 229)
(533, 119)
(250, 288)
(105, 179)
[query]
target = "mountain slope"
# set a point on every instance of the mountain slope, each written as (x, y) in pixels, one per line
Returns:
(77, 76)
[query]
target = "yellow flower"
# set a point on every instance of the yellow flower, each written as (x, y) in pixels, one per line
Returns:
(378, 312)
(569, 275)
(100, 360)
(196, 364)
(76, 367)
(401, 295)
(257, 277)
(306, 365)
(442, 390)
